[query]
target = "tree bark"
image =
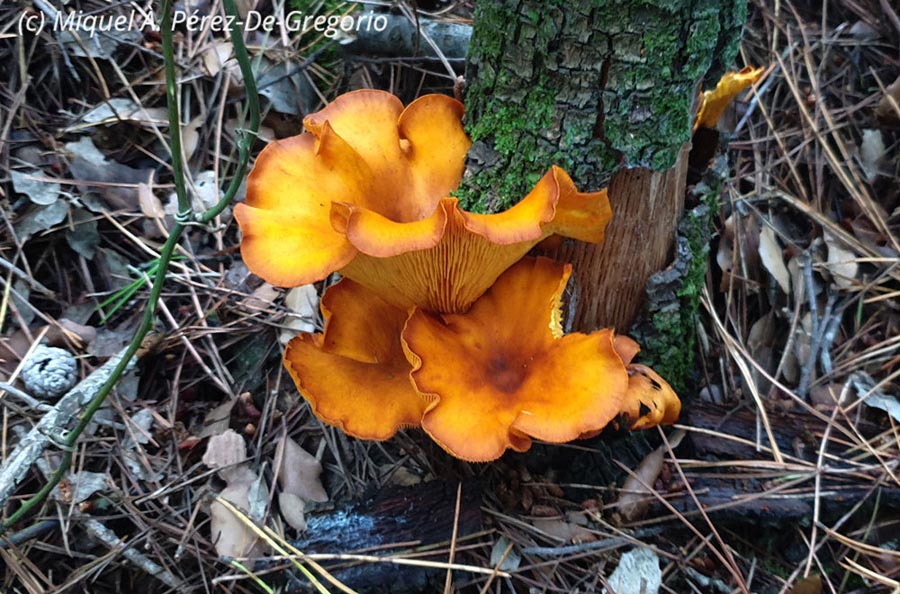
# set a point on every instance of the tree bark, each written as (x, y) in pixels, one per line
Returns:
(605, 89)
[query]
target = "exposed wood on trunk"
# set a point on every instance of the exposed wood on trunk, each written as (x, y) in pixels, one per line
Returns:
(610, 277)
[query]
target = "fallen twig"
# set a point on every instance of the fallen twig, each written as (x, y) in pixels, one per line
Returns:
(54, 422)
(99, 531)
(27, 278)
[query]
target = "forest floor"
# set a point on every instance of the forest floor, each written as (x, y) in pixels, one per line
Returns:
(782, 475)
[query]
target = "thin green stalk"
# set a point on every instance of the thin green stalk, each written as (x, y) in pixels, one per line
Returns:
(245, 143)
(168, 249)
(256, 579)
(184, 205)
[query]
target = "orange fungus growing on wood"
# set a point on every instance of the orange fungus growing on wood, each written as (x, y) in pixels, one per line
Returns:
(435, 323)
(714, 102)
(649, 399)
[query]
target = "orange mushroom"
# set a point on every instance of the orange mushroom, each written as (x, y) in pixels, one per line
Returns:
(479, 382)
(714, 102)
(503, 372)
(426, 328)
(649, 400)
(366, 192)
(355, 374)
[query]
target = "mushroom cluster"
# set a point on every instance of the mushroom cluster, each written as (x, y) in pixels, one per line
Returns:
(440, 320)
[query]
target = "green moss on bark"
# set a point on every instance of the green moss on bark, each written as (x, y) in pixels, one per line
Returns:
(588, 86)
(666, 329)
(504, 127)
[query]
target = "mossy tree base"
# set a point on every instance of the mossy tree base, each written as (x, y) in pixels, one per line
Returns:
(605, 89)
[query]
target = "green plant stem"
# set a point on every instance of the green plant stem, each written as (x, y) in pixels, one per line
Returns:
(184, 205)
(168, 248)
(245, 143)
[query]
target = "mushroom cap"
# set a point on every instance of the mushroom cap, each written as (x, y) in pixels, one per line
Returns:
(649, 400)
(502, 374)
(355, 374)
(366, 191)
(364, 150)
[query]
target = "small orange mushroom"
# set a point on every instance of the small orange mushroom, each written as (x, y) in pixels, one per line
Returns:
(503, 373)
(649, 400)
(355, 374)
(714, 102)
(366, 192)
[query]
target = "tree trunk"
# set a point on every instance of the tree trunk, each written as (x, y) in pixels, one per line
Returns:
(606, 90)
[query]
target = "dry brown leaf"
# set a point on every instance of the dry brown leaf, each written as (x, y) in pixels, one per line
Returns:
(564, 530)
(225, 452)
(66, 332)
(299, 472)
(303, 301)
(824, 397)
(791, 368)
(292, 510)
(204, 192)
(151, 206)
(761, 341)
(637, 492)
(841, 263)
(262, 298)
(112, 180)
(636, 496)
(871, 152)
(772, 259)
(217, 419)
(81, 485)
(739, 248)
(215, 57)
(120, 109)
(28, 182)
(762, 333)
(725, 255)
(190, 136)
(231, 535)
